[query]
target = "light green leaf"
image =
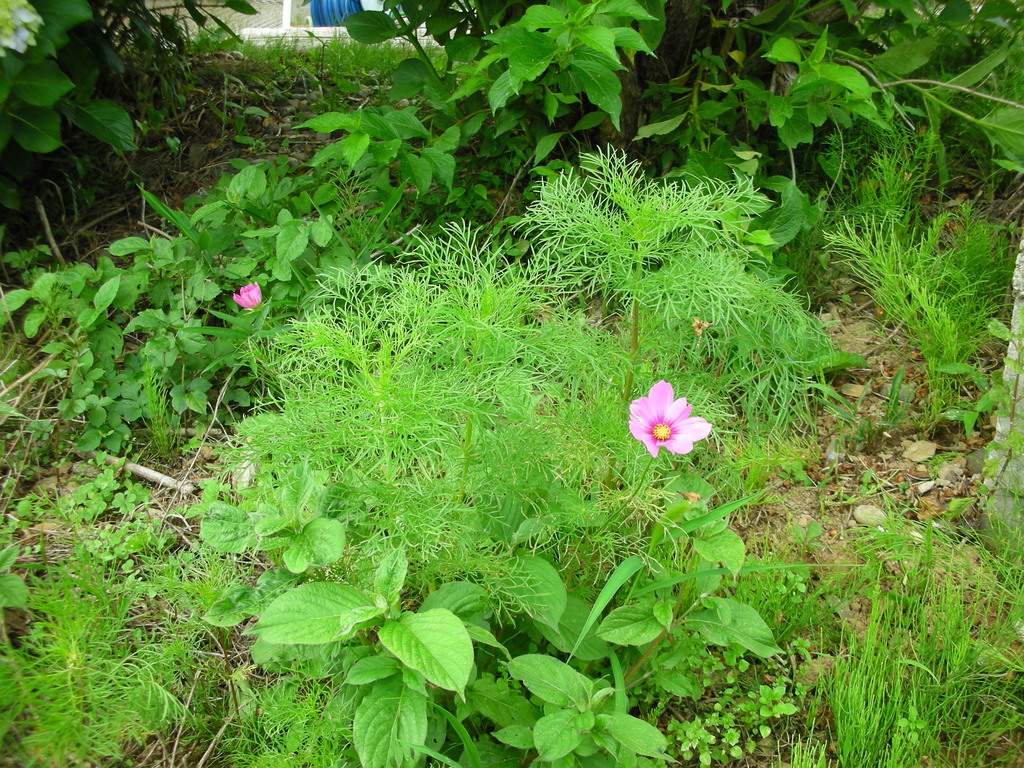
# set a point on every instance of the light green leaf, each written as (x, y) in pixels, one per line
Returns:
(9, 556)
(539, 589)
(106, 293)
(128, 245)
(292, 241)
(729, 622)
(390, 575)
(634, 734)
(784, 50)
(633, 624)
(518, 736)
(466, 600)
(388, 722)
(602, 40)
(248, 184)
(434, 643)
(321, 542)
(371, 669)
(501, 91)
(332, 121)
(1005, 127)
(542, 16)
(314, 613)
(724, 547)
(552, 680)
(848, 77)
(630, 39)
(529, 53)
(13, 593)
(557, 734)
(227, 528)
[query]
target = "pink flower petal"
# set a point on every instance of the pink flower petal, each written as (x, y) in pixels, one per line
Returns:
(661, 398)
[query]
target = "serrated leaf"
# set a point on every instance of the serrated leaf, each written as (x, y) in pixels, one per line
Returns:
(292, 241)
(41, 84)
(388, 722)
(9, 556)
(784, 50)
(107, 121)
(371, 27)
(600, 84)
(232, 606)
(248, 184)
(434, 643)
(371, 669)
(128, 245)
(332, 121)
(551, 680)
(106, 293)
(313, 614)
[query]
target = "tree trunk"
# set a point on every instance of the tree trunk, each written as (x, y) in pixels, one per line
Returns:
(1005, 507)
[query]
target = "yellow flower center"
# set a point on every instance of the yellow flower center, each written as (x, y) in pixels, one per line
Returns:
(661, 432)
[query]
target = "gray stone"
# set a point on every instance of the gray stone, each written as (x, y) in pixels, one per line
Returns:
(905, 395)
(976, 461)
(869, 514)
(949, 473)
(923, 488)
(852, 390)
(920, 450)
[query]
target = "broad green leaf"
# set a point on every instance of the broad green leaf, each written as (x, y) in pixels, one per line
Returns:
(371, 27)
(725, 547)
(600, 84)
(41, 84)
(388, 722)
(321, 542)
(248, 184)
(232, 606)
(107, 121)
(13, 593)
(796, 130)
(784, 50)
(292, 241)
(434, 643)
(36, 129)
(1005, 127)
(529, 53)
(354, 146)
(227, 528)
(518, 736)
(848, 77)
(12, 301)
(552, 680)
(499, 703)
(9, 556)
(633, 624)
(731, 622)
(574, 635)
(332, 121)
(903, 58)
(557, 734)
(501, 91)
(466, 600)
(314, 613)
(542, 16)
(390, 575)
(975, 74)
(634, 734)
(628, 8)
(630, 39)
(545, 144)
(539, 589)
(128, 245)
(371, 669)
(602, 40)
(106, 293)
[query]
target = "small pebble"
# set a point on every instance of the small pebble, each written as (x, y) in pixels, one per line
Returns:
(923, 488)
(976, 461)
(949, 473)
(905, 395)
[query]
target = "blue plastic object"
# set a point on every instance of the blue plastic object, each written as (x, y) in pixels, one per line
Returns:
(330, 13)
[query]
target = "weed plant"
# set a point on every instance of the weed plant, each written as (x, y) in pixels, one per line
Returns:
(942, 281)
(465, 408)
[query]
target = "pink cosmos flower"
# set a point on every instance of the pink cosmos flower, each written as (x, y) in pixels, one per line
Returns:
(248, 296)
(660, 421)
